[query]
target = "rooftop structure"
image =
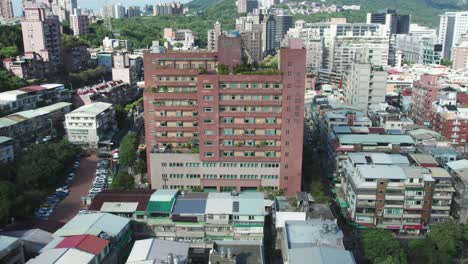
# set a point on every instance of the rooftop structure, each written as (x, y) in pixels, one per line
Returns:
(94, 224)
(240, 252)
(158, 251)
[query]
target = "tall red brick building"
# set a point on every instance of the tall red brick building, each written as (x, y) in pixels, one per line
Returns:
(425, 92)
(224, 132)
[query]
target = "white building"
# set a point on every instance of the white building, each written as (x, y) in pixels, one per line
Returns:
(366, 83)
(420, 49)
(452, 25)
(7, 153)
(90, 124)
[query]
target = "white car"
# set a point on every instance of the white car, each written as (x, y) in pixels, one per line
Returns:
(95, 190)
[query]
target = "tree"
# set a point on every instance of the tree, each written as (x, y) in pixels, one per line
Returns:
(197, 189)
(8, 81)
(445, 62)
(7, 193)
(128, 149)
(120, 116)
(140, 166)
(8, 52)
(223, 69)
(123, 181)
(447, 237)
(70, 42)
(381, 247)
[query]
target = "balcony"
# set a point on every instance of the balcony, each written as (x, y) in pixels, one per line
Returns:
(413, 206)
(441, 207)
(365, 204)
(413, 216)
(194, 234)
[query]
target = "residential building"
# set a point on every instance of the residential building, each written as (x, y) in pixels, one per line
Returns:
(181, 39)
(452, 25)
(424, 93)
(458, 169)
(320, 240)
(133, 11)
(343, 117)
(392, 19)
(105, 60)
(198, 218)
(41, 34)
(76, 59)
(7, 153)
(418, 49)
(33, 240)
(391, 197)
(444, 154)
(159, 251)
(366, 82)
(213, 35)
(29, 66)
(29, 126)
(227, 252)
(11, 250)
(283, 22)
(113, 92)
(91, 124)
(443, 195)
(112, 44)
(6, 9)
(168, 9)
(122, 70)
(252, 44)
(246, 6)
(88, 238)
(460, 54)
(449, 118)
(31, 97)
(419, 31)
(219, 116)
(79, 24)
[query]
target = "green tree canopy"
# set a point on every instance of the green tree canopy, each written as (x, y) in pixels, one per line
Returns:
(123, 181)
(381, 247)
(70, 42)
(128, 149)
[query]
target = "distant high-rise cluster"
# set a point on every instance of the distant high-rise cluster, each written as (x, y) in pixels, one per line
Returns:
(168, 9)
(79, 23)
(213, 35)
(452, 26)
(246, 6)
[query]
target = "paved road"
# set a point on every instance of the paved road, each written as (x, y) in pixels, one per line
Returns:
(70, 206)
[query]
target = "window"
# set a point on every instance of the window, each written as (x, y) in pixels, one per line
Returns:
(207, 86)
(209, 132)
(249, 120)
(208, 143)
(249, 154)
(228, 153)
(270, 132)
(249, 132)
(249, 143)
(228, 131)
(228, 120)
(236, 217)
(208, 121)
(209, 154)
(251, 217)
(179, 113)
(228, 142)
(270, 154)
(208, 98)
(179, 124)
(179, 134)
(208, 109)
(270, 120)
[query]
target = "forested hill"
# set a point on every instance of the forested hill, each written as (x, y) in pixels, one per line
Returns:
(425, 12)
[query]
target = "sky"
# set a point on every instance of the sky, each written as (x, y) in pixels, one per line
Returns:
(97, 4)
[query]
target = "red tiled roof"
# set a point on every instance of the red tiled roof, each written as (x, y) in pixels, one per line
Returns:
(34, 88)
(87, 243)
(394, 72)
(119, 196)
(407, 92)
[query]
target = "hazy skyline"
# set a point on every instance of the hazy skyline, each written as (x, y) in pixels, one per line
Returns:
(96, 5)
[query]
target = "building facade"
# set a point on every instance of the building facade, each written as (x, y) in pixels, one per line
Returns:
(7, 153)
(41, 34)
(424, 93)
(452, 25)
(392, 19)
(6, 9)
(213, 35)
(79, 24)
(91, 124)
(221, 117)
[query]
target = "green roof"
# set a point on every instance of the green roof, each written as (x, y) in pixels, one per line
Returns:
(4, 139)
(160, 207)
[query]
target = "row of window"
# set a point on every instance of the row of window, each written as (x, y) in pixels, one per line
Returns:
(175, 103)
(249, 97)
(248, 132)
(177, 78)
(221, 164)
(221, 176)
(246, 120)
(270, 154)
(178, 113)
(165, 89)
(249, 85)
(249, 143)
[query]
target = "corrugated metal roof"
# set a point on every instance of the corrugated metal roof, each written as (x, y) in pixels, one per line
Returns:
(374, 139)
(443, 151)
(75, 256)
(7, 244)
(93, 224)
(55, 107)
(111, 207)
(160, 207)
(49, 256)
(158, 250)
(320, 255)
(251, 207)
(458, 165)
(438, 172)
(163, 195)
(421, 158)
(381, 172)
(87, 243)
(219, 203)
(377, 158)
(184, 206)
(93, 109)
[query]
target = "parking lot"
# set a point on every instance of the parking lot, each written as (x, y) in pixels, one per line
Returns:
(79, 187)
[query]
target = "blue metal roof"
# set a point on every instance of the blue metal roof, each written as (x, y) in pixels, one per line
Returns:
(189, 206)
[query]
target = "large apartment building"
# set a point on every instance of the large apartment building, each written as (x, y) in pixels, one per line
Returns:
(224, 132)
